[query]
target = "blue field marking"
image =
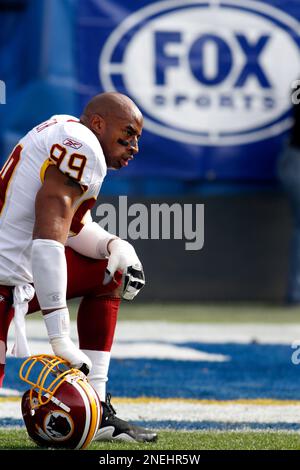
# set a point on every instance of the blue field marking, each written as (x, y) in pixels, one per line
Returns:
(218, 426)
(11, 423)
(254, 371)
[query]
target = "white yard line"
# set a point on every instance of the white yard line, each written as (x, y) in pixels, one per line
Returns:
(161, 340)
(189, 412)
(136, 350)
(182, 332)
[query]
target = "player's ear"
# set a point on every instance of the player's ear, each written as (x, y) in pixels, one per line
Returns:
(97, 123)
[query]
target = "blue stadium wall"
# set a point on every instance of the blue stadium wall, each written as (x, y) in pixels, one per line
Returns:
(214, 81)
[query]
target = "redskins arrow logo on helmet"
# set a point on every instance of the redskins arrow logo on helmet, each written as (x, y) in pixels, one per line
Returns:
(61, 409)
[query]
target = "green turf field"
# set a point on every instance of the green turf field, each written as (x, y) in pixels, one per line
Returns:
(171, 440)
(202, 313)
(223, 313)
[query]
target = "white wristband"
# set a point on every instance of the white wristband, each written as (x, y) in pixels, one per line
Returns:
(49, 271)
(91, 241)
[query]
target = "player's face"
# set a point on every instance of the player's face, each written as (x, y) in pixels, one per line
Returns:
(119, 140)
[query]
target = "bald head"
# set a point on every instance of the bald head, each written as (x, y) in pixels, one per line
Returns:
(117, 123)
(111, 105)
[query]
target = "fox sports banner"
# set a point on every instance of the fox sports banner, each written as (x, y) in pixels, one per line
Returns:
(212, 78)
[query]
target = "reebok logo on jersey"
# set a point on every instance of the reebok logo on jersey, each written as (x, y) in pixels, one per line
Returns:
(72, 143)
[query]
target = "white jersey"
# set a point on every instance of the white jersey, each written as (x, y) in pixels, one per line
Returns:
(62, 141)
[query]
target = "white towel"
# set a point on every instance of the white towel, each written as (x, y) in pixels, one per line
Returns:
(22, 295)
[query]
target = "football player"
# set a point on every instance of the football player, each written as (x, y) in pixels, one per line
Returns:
(48, 241)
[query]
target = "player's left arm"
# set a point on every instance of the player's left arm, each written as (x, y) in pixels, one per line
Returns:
(95, 242)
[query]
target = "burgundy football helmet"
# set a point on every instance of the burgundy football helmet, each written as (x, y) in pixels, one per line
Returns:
(61, 409)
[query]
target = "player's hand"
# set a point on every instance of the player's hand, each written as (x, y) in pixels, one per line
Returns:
(124, 258)
(66, 349)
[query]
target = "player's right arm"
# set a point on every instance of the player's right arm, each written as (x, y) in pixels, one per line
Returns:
(54, 210)
(54, 206)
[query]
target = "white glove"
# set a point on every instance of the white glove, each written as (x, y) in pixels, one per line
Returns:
(124, 258)
(65, 348)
